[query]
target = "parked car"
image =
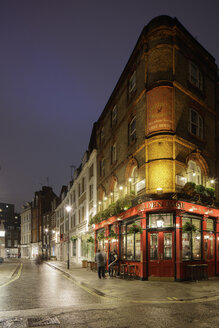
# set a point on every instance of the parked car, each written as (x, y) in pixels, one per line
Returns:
(1, 260)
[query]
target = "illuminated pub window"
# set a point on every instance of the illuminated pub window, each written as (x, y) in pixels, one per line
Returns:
(161, 220)
(191, 241)
(113, 239)
(209, 239)
(100, 241)
(130, 242)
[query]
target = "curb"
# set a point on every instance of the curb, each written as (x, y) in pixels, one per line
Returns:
(98, 293)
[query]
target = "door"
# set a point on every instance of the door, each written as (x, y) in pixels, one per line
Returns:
(161, 254)
(209, 252)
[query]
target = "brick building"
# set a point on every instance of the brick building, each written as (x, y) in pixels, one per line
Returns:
(157, 136)
(41, 204)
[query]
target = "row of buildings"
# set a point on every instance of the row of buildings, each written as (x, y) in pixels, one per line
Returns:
(148, 184)
(9, 231)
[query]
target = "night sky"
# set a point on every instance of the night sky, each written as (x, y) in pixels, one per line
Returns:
(59, 63)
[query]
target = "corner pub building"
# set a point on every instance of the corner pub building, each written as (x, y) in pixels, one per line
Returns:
(157, 155)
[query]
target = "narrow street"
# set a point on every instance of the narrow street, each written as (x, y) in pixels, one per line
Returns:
(39, 297)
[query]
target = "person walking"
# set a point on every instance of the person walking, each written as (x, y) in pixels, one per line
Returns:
(111, 262)
(100, 259)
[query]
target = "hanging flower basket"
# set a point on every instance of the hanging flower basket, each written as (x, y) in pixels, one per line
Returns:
(73, 238)
(101, 236)
(189, 227)
(135, 229)
(112, 234)
(90, 240)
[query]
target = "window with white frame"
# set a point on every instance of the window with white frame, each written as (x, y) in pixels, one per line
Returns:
(194, 172)
(132, 83)
(195, 76)
(132, 130)
(113, 153)
(195, 123)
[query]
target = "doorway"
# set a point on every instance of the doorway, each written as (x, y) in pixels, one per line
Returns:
(161, 255)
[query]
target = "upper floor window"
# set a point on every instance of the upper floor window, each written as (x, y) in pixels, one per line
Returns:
(102, 136)
(114, 116)
(133, 179)
(83, 185)
(91, 192)
(194, 173)
(102, 167)
(113, 153)
(132, 83)
(196, 123)
(91, 171)
(195, 76)
(132, 130)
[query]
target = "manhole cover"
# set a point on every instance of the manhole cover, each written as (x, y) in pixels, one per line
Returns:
(46, 321)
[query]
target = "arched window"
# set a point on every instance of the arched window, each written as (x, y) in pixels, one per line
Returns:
(194, 172)
(133, 179)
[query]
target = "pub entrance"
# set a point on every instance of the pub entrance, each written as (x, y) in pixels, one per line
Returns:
(161, 255)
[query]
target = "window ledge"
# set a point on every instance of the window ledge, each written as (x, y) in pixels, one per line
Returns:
(203, 141)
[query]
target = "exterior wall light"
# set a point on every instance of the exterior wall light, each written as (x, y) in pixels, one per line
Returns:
(130, 180)
(212, 181)
(105, 198)
(121, 188)
(68, 208)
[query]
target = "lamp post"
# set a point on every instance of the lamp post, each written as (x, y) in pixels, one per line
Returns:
(46, 231)
(68, 210)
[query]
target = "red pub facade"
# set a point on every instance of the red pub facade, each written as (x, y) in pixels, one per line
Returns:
(163, 249)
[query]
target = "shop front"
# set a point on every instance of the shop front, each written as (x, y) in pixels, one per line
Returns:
(163, 239)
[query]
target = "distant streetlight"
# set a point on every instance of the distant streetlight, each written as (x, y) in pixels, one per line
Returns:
(68, 210)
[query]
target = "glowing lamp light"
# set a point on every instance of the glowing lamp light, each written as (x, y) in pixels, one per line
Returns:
(130, 179)
(68, 208)
(2, 233)
(46, 230)
(212, 181)
(121, 188)
(105, 198)
(111, 194)
(194, 174)
(99, 203)
(160, 222)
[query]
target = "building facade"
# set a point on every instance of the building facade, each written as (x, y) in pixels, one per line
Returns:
(11, 233)
(75, 210)
(41, 204)
(26, 231)
(157, 143)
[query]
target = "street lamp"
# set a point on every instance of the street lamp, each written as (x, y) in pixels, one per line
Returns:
(68, 210)
(46, 231)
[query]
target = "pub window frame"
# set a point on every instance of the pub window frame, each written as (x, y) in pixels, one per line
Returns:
(191, 234)
(125, 234)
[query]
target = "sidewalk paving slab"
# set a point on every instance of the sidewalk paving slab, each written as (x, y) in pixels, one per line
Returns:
(140, 291)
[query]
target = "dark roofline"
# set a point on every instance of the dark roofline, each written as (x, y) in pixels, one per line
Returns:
(155, 22)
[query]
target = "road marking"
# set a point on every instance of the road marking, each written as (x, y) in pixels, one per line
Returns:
(15, 278)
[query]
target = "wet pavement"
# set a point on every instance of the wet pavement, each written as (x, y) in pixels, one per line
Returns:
(137, 291)
(56, 297)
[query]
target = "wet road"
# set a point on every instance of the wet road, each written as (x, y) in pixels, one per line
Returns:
(39, 288)
(44, 294)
